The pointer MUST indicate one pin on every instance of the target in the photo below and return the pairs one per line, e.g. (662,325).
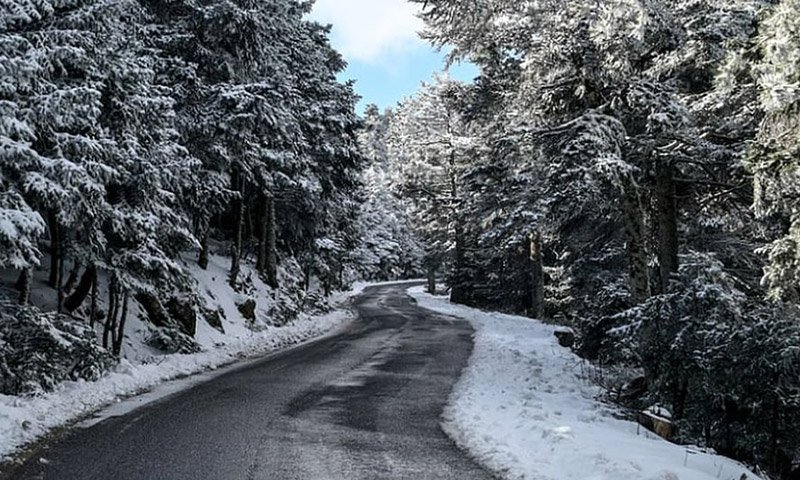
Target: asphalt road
(364,404)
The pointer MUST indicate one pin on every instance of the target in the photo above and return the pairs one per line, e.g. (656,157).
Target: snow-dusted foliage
(20,228)
(388,248)
(610,180)
(691,339)
(261,108)
(774,161)
(38,350)
(53,141)
(137,134)
(428,140)
(780,43)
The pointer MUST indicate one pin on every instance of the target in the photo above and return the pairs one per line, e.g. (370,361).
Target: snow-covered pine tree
(148,227)
(276,127)
(631,60)
(130,127)
(388,248)
(623,126)
(20,225)
(430,142)
(53,81)
(774,160)
(320,195)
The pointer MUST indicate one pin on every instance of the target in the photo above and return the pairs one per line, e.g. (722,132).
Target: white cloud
(371,30)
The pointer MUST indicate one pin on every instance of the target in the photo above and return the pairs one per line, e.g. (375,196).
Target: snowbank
(25,419)
(523,409)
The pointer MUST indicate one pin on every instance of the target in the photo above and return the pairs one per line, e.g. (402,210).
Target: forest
(135,133)
(629,169)
(626,168)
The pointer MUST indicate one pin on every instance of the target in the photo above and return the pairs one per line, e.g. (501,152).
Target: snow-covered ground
(524,410)
(25,419)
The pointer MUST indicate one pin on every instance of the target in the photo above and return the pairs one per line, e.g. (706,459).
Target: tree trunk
(261,225)
(667,223)
(679,395)
(271,240)
(238,233)
(120,335)
(774,435)
(93,306)
(432,278)
(307,277)
(248,229)
(111,318)
(20,283)
(55,250)
(76,299)
(60,283)
(537,276)
(635,240)
(458,290)
(202,259)
(24,285)
(73,277)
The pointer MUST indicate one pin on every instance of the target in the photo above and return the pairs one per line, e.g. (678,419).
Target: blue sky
(379,40)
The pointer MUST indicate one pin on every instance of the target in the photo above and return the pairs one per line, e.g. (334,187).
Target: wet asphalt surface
(364,404)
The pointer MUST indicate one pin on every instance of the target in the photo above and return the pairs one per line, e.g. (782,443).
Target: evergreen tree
(54,80)
(388,248)
(133,131)
(428,139)
(617,136)
(774,161)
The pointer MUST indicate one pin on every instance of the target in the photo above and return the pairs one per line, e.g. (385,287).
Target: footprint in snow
(590,418)
(558,434)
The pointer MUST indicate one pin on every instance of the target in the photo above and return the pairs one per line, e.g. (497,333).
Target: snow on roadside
(25,419)
(523,410)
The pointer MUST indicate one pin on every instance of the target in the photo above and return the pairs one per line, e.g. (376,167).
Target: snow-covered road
(363,404)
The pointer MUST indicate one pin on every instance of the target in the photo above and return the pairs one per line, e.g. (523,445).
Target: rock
(566,337)
(178,313)
(248,309)
(156,313)
(171,341)
(657,421)
(214,318)
(183,314)
(635,389)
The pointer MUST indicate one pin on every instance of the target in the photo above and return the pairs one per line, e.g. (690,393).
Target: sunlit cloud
(371,31)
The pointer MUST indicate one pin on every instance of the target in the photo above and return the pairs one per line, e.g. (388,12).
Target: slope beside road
(364,404)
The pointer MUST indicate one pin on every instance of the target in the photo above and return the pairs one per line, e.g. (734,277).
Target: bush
(724,364)
(39,350)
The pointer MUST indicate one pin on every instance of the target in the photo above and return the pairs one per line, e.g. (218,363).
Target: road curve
(364,404)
